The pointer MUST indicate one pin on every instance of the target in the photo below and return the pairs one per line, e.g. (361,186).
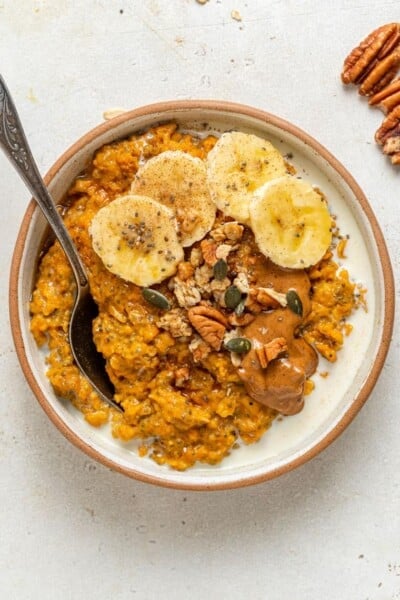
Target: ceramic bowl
(336,399)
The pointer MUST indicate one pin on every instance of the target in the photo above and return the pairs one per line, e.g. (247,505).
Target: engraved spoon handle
(16,148)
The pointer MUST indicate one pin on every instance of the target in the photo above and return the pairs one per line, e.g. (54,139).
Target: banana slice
(238,164)
(291,222)
(136,238)
(179,181)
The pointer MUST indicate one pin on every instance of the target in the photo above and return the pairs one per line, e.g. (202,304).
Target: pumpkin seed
(156,298)
(294,302)
(220,269)
(239,345)
(232,296)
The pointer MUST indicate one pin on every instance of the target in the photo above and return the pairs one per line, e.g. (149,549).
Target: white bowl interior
(291,437)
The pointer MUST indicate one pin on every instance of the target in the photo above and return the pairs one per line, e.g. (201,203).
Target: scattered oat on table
(113,112)
(235,14)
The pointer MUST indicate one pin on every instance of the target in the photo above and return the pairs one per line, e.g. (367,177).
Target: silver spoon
(13,142)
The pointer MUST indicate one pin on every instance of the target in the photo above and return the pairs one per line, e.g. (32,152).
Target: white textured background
(70,528)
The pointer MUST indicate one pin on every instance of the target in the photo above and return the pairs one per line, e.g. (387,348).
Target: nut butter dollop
(281,384)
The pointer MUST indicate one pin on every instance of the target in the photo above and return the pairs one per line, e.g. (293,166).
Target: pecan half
(374,48)
(381,74)
(210,323)
(388,135)
(388,98)
(270,351)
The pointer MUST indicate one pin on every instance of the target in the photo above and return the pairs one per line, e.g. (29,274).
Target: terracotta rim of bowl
(364,392)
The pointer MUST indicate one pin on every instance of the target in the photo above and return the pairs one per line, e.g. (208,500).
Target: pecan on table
(210,323)
(374,62)
(381,75)
(388,135)
(388,98)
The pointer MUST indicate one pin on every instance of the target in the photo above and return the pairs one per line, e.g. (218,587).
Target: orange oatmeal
(234,346)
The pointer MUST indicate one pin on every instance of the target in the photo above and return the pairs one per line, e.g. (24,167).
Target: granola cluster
(215,294)
(200,286)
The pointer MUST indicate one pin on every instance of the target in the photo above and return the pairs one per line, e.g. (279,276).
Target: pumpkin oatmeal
(207,357)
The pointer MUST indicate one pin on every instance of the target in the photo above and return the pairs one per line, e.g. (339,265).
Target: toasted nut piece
(390,103)
(388,135)
(209,249)
(381,75)
(270,351)
(242,283)
(392,148)
(388,98)
(185,270)
(210,312)
(262,359)
(378,44)
(181,376)
(269,297)
(199,349)
(196,257)
(390,89)
(263,298)
(252,305)
(220,285)
(231,230)
(223,250)
(210,323)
